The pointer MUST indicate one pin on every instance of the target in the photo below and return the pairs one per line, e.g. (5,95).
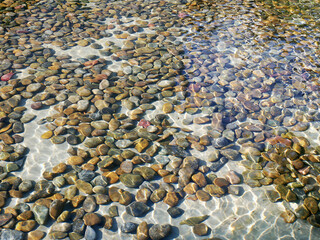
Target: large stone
(146,172)
(8,234)
(157,231)
(137,209)
(41,214)
(131,180)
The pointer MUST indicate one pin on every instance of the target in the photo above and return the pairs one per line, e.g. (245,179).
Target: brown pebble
(199,179)
(221,182)
(171,199)
(200,229)
(91,219)
(75,160)
(203,196)
(143,231)
(26,226)
(36,235)
(36,105)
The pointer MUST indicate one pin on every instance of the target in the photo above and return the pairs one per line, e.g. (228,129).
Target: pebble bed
(159,120)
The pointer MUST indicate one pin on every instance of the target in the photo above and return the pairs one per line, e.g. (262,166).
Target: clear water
(262,52)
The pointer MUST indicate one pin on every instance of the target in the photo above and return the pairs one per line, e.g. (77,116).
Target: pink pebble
(7,76)
(144,123)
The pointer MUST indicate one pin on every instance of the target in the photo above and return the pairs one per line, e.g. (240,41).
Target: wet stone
(157,231)
(113,211)
(91,219)
(131,180)
(8,234)
(143,231)
(175,212)
(137,209)
(129,227)
(41,214)
(200,229)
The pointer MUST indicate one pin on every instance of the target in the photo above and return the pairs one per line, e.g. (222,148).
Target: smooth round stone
(58,139)
(233,177)
(166,83)
(93,142)
(26,186)
(78,226)
(123,143)
(175,212)
(203,196)
(137,209)
(75,160)
(131,180)
(129,227)
(100,125)
(5,218)
(27,117)
(167,108)
(84,186)
(200,229)
(33,87)
(91,219)
(73,140)
(157,231)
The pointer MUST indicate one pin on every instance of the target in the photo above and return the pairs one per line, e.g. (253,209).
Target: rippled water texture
(229,76)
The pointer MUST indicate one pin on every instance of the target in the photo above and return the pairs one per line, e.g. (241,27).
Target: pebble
(143,231)
(200,229)
(137,209)
(157,231)
(129,227)
(175,212)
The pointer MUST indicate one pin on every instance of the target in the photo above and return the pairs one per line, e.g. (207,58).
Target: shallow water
(244,56)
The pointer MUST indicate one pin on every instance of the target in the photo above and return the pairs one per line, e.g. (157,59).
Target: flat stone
(192,221)
(131,180)
(36,235)
(143,231)
(175,212)
(84,186)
